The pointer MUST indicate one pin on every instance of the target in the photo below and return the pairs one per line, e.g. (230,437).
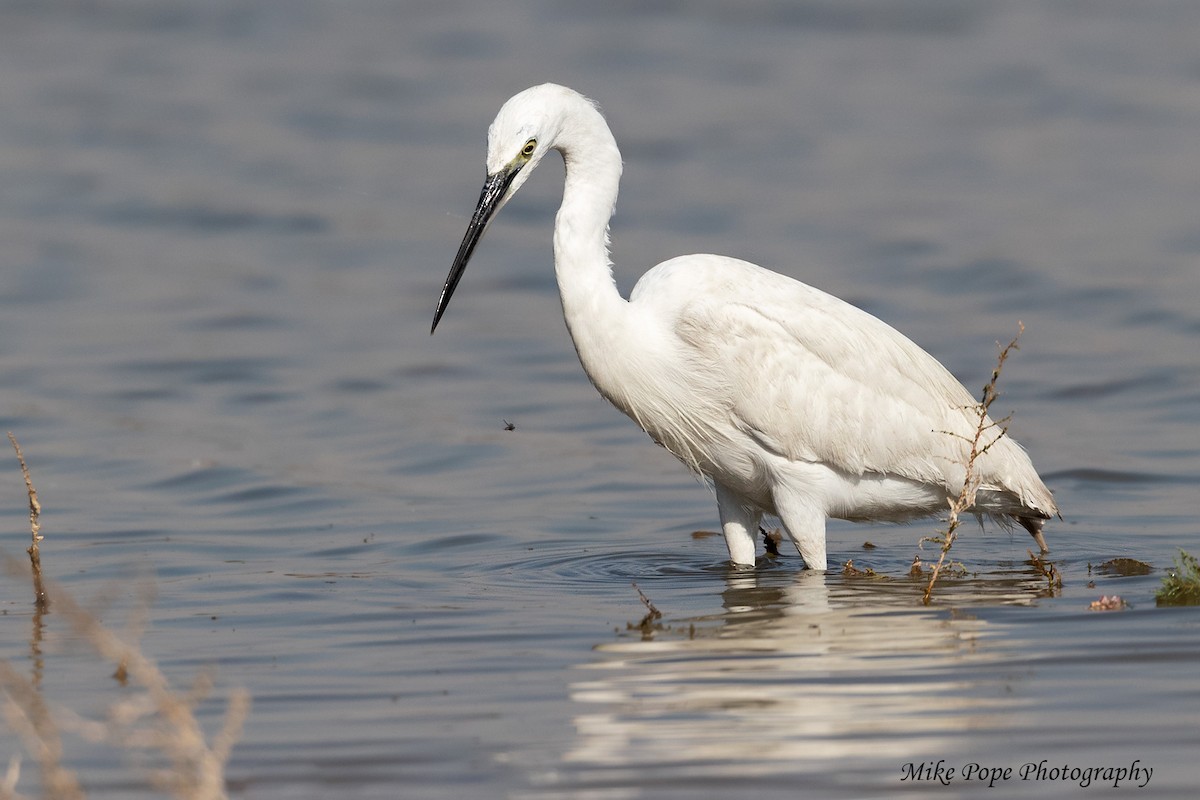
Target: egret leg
(739,523)
(805,525)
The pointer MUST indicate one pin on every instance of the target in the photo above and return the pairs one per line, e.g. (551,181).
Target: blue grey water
(223,227)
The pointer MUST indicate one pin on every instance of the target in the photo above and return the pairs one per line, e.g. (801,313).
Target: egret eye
(529,147)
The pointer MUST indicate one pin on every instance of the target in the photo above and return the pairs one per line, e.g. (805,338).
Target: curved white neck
(619,346)
(589,295)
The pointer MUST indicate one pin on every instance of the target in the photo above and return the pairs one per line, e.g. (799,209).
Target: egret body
(790,401)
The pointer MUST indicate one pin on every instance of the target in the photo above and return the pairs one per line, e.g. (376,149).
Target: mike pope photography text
(1135,774)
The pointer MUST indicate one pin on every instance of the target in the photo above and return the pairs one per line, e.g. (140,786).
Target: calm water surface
(224,227)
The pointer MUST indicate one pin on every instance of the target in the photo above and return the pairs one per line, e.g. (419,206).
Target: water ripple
(210,219)
(565,565)
(1098,475)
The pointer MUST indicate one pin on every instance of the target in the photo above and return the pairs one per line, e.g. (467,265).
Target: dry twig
(966,496)
(654,612)
(35,528)
(648,624)
(197,766)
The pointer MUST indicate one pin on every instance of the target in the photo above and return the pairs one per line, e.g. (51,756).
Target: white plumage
(791,401)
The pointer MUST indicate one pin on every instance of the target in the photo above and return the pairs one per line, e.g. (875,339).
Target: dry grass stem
(646,600)
(648,625)
(158,719)
(155,720)
(35,508)
(27,715)
(35,526)
(966,496)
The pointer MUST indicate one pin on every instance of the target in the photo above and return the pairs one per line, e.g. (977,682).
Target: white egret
(790,401)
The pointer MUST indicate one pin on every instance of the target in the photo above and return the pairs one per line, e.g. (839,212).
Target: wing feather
(814,378)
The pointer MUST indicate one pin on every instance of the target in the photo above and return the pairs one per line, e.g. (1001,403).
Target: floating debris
(851,571)
(1107,603)
(771,540)
(1048,571)
(1124,567)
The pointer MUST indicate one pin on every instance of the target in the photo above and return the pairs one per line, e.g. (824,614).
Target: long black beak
(489,201)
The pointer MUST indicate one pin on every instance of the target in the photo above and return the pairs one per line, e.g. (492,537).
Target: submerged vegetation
(1181,586)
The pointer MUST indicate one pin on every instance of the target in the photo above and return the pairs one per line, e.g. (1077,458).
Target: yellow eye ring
(529,147)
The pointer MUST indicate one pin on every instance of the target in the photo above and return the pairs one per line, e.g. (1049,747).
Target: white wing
(813,378)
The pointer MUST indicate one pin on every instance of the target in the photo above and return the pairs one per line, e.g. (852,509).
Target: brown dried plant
(156,719)
(979,443)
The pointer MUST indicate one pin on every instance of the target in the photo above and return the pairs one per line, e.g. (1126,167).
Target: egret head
(527,127)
